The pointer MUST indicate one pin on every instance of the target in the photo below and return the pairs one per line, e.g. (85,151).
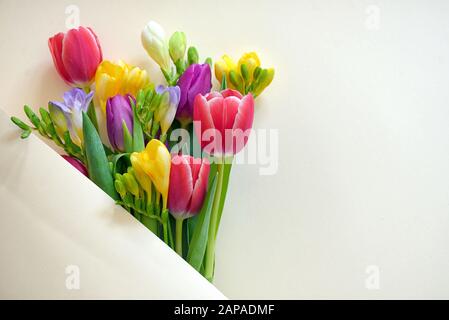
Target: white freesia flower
(154,42)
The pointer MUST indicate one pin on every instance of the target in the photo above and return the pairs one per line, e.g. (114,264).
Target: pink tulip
(223,121)
(76,55)
(76,164)
(188,185)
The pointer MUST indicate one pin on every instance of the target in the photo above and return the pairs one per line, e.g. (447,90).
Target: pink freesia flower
(76,55)
(223,121)
(188,185)
(77,164)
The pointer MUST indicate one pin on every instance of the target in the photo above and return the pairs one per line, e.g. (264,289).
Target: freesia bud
(118,114)
(154,162)
(76,55)
(131,184)
(76,101)
(264,79)
(195,80)
(236,80)
(154,42)
(192,56)
(166,112)
(225,118)
(76,164)
(188,185)
(120,186)
(177,46)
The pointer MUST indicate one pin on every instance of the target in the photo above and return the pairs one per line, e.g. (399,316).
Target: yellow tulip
(155,163)
(118,78)
(251,60)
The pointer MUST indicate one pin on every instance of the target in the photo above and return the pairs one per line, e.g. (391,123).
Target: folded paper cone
(64,238)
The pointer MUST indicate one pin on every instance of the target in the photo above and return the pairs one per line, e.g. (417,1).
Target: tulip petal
(200,173)
(243,122)
(202,119)
(81,55)
(181,185)
(55,46)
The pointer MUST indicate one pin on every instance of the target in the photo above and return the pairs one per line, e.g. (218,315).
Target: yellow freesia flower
(153,162)
(246,76)
(251,60)
(118,78)
(265,79)
(223,67)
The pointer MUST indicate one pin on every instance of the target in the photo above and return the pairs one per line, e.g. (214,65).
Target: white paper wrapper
(61,237)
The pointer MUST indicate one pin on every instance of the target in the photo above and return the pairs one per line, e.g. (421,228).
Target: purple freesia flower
(195,80)
(68,115)
(166,112)
(118,113)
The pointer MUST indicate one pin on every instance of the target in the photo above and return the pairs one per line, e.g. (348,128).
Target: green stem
(213,228)
(179,236)
(164,217)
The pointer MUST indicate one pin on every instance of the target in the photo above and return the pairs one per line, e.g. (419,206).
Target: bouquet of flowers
(163,152)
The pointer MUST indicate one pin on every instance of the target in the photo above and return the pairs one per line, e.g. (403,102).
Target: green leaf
(92,115)
(224,85)
(138,142)
(127,139)
(120,162)
(97,162)
(198,244)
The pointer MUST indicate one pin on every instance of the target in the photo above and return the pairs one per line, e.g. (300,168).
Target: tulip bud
(119,114)
(215,109)
(154,42)
(192,56)
(76,55)
(188,185)
(196,79)
(177,46)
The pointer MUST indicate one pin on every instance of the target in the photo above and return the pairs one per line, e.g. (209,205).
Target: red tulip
(76,164)
(76,55)
(188,185)
(224,117)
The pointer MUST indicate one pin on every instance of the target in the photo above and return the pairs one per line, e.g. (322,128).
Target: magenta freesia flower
(188,185)
(119,113)
(77,164)
(195,80)
(76,55)
(223,121)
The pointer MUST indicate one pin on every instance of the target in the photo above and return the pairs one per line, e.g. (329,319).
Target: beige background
(360,100)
